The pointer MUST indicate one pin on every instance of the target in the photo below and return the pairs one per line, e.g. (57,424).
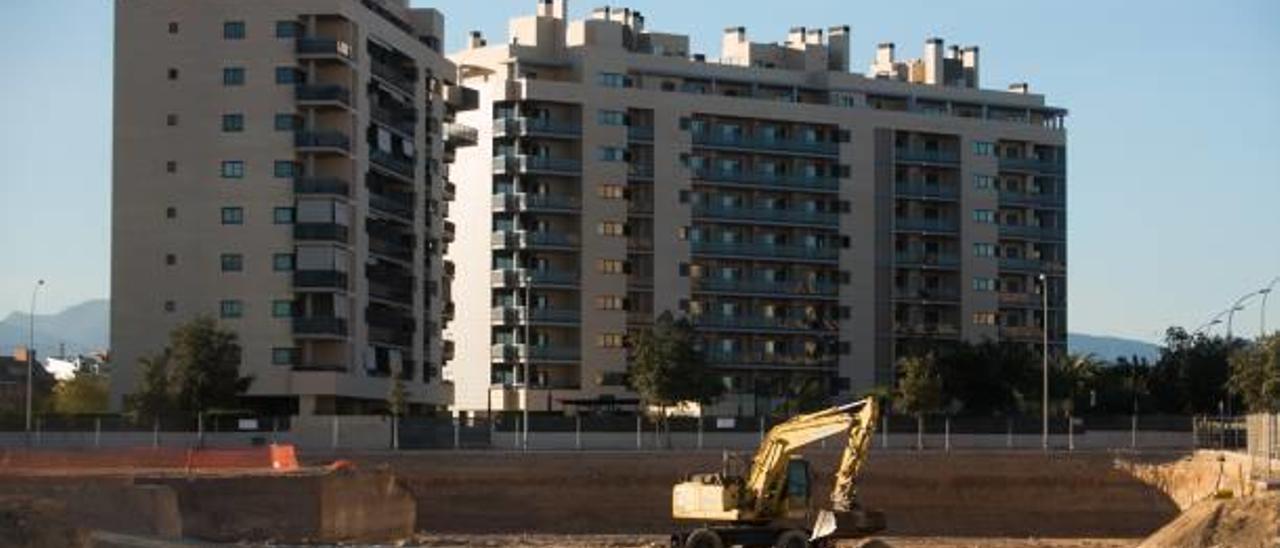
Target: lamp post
(31,348)
(1265,292)
(1231,313)
(1044,355)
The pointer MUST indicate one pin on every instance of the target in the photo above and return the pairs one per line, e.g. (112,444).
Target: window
(233,169)
(232,123)
(173,74)
(232,262)
(170,306)
(285,169)
(233,76)
(983,182)
(173,27)
(984,250)
(612,228)
(614,80)
(171,120)
(286,122)
(288,29)
(283,215)
(611,340)
(984,318)
(282,309)
(984,216)
(984,148)
(610,302)
(171,166)
(170,259)
(612,266)
(282,262)
(284,356)
(232,216)
(233,30)
(230,309)
(612,118)
(612,192)
(613,154)
(984,284)
(287,75)
(171,212)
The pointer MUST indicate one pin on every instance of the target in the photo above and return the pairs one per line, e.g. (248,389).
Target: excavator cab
(798,502)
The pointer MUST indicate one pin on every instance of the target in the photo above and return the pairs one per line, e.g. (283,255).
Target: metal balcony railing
(1028,199)
(767,144)
(1038,165)
(520,314)
(749,358)
(533,202)
(520,352)
(640,133)
(524,239)
(503,127)
(396,164)
(1033,232)
(807,182)
(322,139)
(392,75)
(322,185)
(790,216)
(766,250)
(320,279)
(927,225)
(400,206)
(761,323)
(796,288)
(925,190)
(916,155)
(1030,265)
(320,326)
(316,45)
(329,232)
(939,260)
(323,93)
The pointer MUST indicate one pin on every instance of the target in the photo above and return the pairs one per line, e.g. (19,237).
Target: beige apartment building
(284,167)
(812,223)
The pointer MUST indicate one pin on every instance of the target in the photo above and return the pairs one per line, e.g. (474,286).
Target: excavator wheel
(792,538)
(703,538)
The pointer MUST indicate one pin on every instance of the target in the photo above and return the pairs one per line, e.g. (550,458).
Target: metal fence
(1264,446)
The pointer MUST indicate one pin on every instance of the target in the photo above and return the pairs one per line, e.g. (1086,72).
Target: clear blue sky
(1175,112)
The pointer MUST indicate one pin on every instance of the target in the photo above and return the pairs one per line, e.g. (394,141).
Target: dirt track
(978,496)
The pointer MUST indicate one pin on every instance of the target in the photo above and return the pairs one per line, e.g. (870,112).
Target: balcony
(1033,165)
(780,181)
(766,144)
(642,134)
(1021,199)
(395,205)
(521,352)
(520,315)
(390,248)
(330,141)
(793,288)
(1019,299)
(321,232)
(787,360)
(926,295)
(535,127)
(449,192)
(323,95)
(761,323)
(520,239)
(322,185)
(1021,332)
(320,327)
(640,171)
(933,157)
(755,250)
(398,165)
(927,329)
(1032,266)
(320,279)
(939,226)
(394,76)
(536,164)
(403,120)
(323,48)
(458,135)
(1032,232)
(522,277)
(640,206)
(767,215)
(545,203)
(461,98)
(927,191)
(927,260)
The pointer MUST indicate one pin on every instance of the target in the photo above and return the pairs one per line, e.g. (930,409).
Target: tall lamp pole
(1044,354)
(1265,292)
(31,348)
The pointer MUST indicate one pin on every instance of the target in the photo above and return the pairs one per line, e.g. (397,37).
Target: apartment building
(812,223)
(284,168)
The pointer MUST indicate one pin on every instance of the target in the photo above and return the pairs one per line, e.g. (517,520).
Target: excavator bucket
(847,524)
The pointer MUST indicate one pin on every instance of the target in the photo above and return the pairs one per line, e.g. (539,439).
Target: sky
(1174,173)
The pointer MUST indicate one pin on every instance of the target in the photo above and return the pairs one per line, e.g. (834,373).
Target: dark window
(232,262)
(171,120)
(233,76)
(233,169)
(288,75)
(284,356)
(286,169)
(282,262)
(171,166)
(232,215)
(231,309)
(233,123)
(233,30)
(173,74)
(171,213)
(282,309)
(286,122)
(283,215)
(170,259)
(170,306)
(173,27)
(288,29)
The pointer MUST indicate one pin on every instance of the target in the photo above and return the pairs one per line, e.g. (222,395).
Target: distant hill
(81,328)
(1110,348)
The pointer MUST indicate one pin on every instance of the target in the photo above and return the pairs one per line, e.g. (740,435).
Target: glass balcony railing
(789,216)
(536,164)
(535,202)
(397,205)
(524,239)
(322,139)
(322,185)
(394,249)
(916,155)
(320,46)
(762,323)
(520,314)
(519,277)
(320,279)
(324,232)
(640,133)
(396,164)
(927,329)
(1033,200)
(926,190)
(766,250)
(323,93)
(795,288)
(404,120)
(766,144)
(749,358)
(1033,164)
(938,260)
(519,352)
(927,225)
(503,127)
(320,326)
(392,75)
(1034,266)
(1033,232)
(926,294)
(797,181)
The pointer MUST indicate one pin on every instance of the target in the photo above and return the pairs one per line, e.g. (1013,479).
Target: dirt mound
(1252,522)
(29,522)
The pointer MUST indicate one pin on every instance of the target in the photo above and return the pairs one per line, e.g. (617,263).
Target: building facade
(812,223)
(283,167)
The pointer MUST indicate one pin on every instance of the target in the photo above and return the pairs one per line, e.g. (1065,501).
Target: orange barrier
(280,458)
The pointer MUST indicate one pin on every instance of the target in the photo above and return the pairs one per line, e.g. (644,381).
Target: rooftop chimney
(969,56)
(736,33)
(477,40)
(813,36)
(557,9)
(838,48)
(796,36)
(884,54)
(1020,87)
(933,61)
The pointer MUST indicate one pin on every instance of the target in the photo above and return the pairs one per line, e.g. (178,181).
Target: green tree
(153,397)
(1191,374)
(88,391)
(1073,380)
(1255,375)
(803,394)
(204,362)
(667,369)
(988,378)
(920,390)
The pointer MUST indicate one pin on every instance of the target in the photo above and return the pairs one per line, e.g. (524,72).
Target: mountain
(1110,348)
(81,328)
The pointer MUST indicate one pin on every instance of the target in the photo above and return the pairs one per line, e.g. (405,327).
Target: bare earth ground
(623,541)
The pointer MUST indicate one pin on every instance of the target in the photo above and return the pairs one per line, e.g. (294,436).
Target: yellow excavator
(772,506)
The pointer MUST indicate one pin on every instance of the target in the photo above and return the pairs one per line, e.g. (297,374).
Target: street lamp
(1265,292)
(1044,353)
(31,348)
(1231,313)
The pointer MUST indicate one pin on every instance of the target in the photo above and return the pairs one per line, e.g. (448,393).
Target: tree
(804,394)
(988,378)
(204,362)
(153,397)
(1255,375)
(667,369)
(1191,374)
(919,389)
(1074,379)
(88,391)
